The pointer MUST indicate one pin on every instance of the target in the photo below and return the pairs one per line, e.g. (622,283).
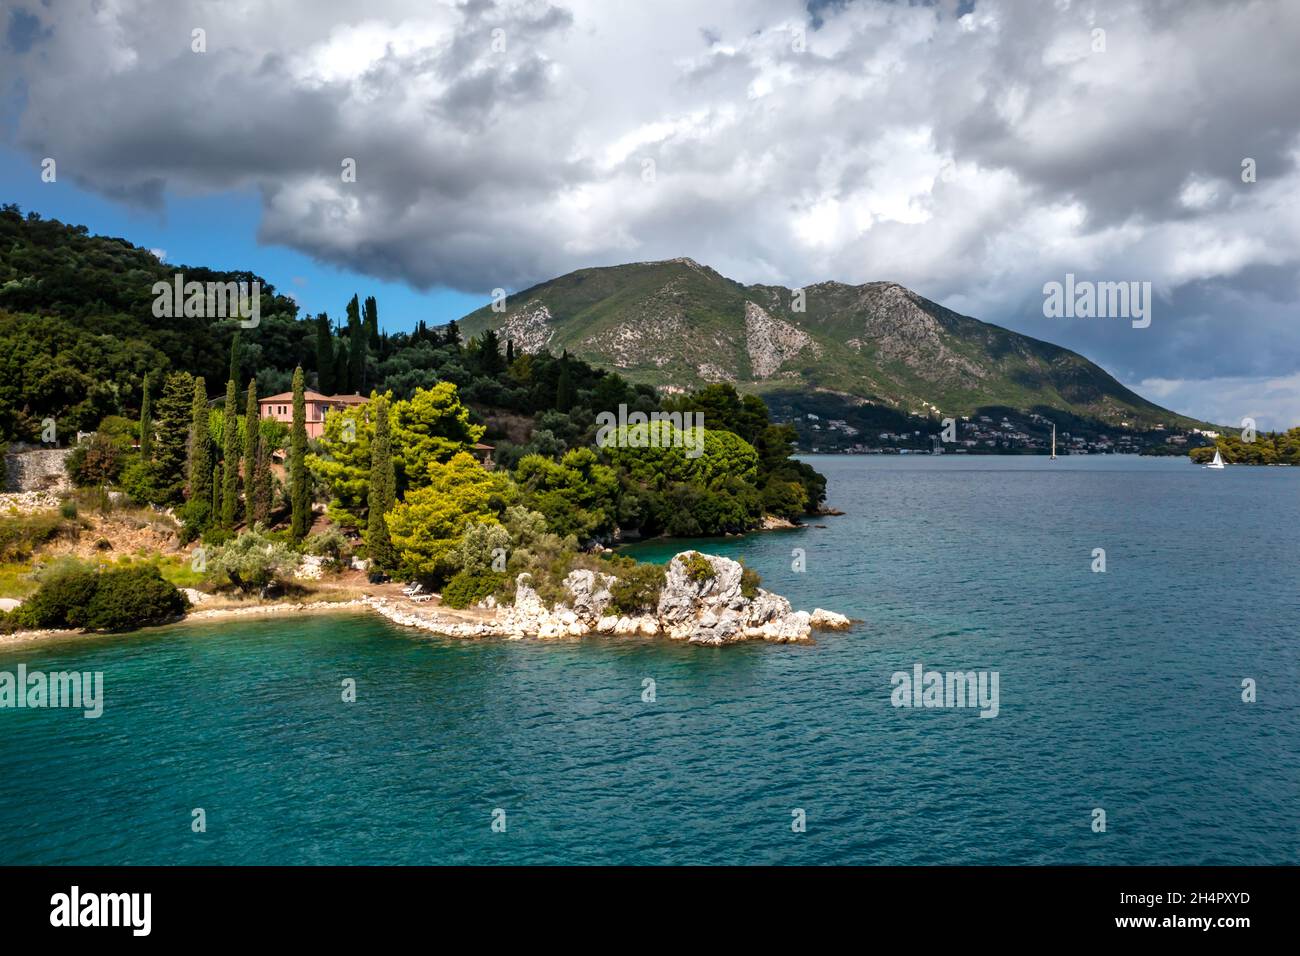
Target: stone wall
(33,468)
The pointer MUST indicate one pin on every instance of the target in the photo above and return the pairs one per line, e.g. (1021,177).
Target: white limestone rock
(590,594)
(824,620)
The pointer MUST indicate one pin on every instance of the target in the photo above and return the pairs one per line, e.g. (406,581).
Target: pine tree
(300,496)
(200,457)
(146,424)
(252,427)
(325,355)
(453,334)
(510,352)
(383,489)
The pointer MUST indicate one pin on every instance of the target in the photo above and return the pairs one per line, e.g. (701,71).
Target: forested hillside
(80,344)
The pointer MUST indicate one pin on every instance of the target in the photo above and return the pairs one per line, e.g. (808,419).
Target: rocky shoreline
(710,611)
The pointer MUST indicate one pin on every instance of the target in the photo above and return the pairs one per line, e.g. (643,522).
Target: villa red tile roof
(312,396)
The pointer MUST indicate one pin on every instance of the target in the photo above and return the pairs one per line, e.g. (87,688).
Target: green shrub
(467,588)
(253,561)
(67,588)
(749,582)
(75,595)
(785,499)
(697,567)
(330,544)
(97,461)
(68,509)
(636,590)
(143,481)
(21,534)
(133,596)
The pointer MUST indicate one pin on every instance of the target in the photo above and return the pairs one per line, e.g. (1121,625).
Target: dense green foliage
(430,521)
(253,560)
(697,567)
(383,487)
(467,588)
(78,336)
(81,344)
(131,597)
(1268,448)
(635,590)
(577,494)
(76,595)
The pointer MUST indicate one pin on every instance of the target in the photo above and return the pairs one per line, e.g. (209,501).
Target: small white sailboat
(1053,455)
(1218,460)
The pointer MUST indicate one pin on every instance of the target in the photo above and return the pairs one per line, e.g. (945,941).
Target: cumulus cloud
(972,151)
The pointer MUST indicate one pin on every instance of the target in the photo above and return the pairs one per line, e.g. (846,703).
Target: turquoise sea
(1119,690)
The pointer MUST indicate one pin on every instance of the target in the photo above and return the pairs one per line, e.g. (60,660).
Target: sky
(972,151)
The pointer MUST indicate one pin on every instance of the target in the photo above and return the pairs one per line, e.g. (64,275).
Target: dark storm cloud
(972,151)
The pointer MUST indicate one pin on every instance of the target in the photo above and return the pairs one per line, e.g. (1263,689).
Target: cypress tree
(300,498)
(236,358)
(453,334)
(262,480)
(146,424)
(489,356)
(230,460)
(510,352)
(356,348)
(325,355)
(200,463)
(383,489)
(252,423)
(564,387)
(216,491)
(171,450)
(341,367)
(371,314)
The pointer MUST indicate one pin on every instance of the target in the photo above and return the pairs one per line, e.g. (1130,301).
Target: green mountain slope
(678,324)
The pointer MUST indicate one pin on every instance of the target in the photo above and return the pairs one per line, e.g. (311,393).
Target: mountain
(678,324)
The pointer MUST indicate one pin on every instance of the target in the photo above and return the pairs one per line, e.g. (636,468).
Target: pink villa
(280,407)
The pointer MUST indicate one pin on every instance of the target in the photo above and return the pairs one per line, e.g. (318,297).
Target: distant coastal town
(1007,433)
